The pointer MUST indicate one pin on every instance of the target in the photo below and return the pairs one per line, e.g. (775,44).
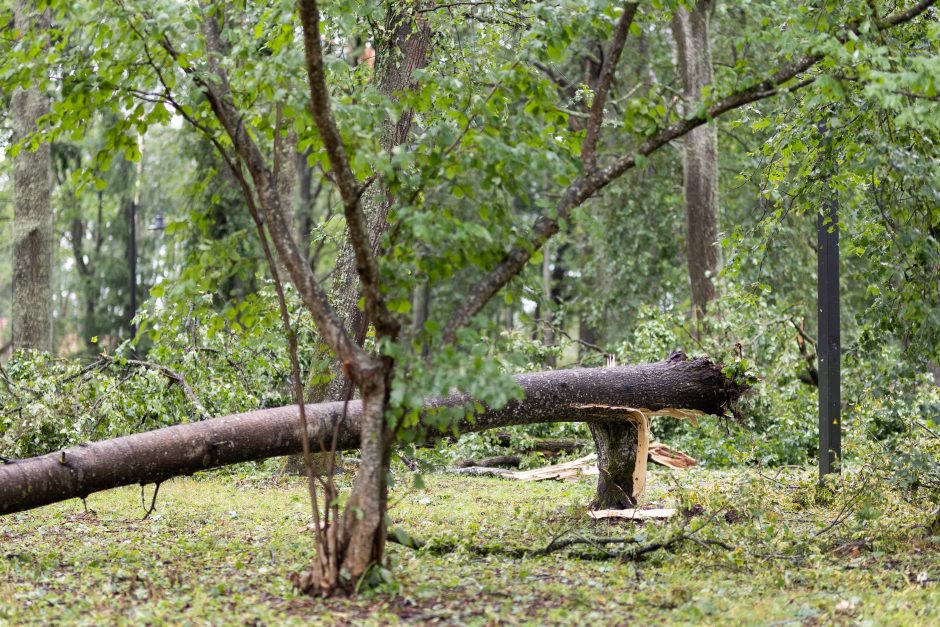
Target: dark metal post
(829,344)
(132,263)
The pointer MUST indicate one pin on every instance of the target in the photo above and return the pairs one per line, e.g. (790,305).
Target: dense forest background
(615,281)
(163,305)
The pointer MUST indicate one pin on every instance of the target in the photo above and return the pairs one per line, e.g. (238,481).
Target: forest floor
(219,549)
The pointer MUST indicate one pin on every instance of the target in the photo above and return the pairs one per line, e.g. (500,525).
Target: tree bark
(32,209)
(397,58)
(699,154)
(595,395)
(621,462)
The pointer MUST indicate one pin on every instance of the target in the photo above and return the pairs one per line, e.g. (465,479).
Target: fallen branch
(105,361)
(560,542)
(491,462)
(557,545)
(632,514)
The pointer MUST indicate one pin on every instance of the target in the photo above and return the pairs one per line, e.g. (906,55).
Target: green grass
(218,550)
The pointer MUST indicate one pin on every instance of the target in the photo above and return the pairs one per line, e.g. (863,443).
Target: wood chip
(663,455)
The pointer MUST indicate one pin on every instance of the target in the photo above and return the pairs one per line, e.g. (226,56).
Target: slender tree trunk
(422,309)
(396,60)
(306,200)
(88,284)
(32,210)
(700,154)
(130,215)
(547,306)
(285,175)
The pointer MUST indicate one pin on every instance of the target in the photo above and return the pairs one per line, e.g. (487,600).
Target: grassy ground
(218,550)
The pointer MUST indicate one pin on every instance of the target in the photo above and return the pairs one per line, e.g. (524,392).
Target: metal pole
(132,264)
(135,205)
(828,347)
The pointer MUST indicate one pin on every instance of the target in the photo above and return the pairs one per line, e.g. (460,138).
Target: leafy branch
(597,178)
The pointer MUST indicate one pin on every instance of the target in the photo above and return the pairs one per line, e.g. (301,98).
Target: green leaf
(399,305)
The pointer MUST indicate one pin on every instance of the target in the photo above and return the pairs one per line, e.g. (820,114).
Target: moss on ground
(218,550)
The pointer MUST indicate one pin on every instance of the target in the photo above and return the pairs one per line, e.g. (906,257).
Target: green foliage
(234,359)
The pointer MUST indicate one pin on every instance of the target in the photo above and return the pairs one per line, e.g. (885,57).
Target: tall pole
(132,264)
(828,348)
(132,248)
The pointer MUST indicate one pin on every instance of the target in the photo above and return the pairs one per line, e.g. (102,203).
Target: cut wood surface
(154,456)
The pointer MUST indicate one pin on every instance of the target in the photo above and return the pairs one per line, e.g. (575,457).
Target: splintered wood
(661,454)
(585,466)
(632,514)
(692,415)
(582,467)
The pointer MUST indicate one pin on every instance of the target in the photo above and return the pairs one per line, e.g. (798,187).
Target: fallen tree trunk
(612,397)
(542,445)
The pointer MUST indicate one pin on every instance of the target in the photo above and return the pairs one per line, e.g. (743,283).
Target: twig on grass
(557,543)
(153,500)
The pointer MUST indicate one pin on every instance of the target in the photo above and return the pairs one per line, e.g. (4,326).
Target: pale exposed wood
(661,454)
(582,467)
(586,466)
(632,514)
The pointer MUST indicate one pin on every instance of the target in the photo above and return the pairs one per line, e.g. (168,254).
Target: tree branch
(167,372)
(589,146)
(596,179)
(356,223)
(218,93)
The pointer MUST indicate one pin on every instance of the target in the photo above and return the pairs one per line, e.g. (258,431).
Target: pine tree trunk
(32,210)
(610,396)
(700,154)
